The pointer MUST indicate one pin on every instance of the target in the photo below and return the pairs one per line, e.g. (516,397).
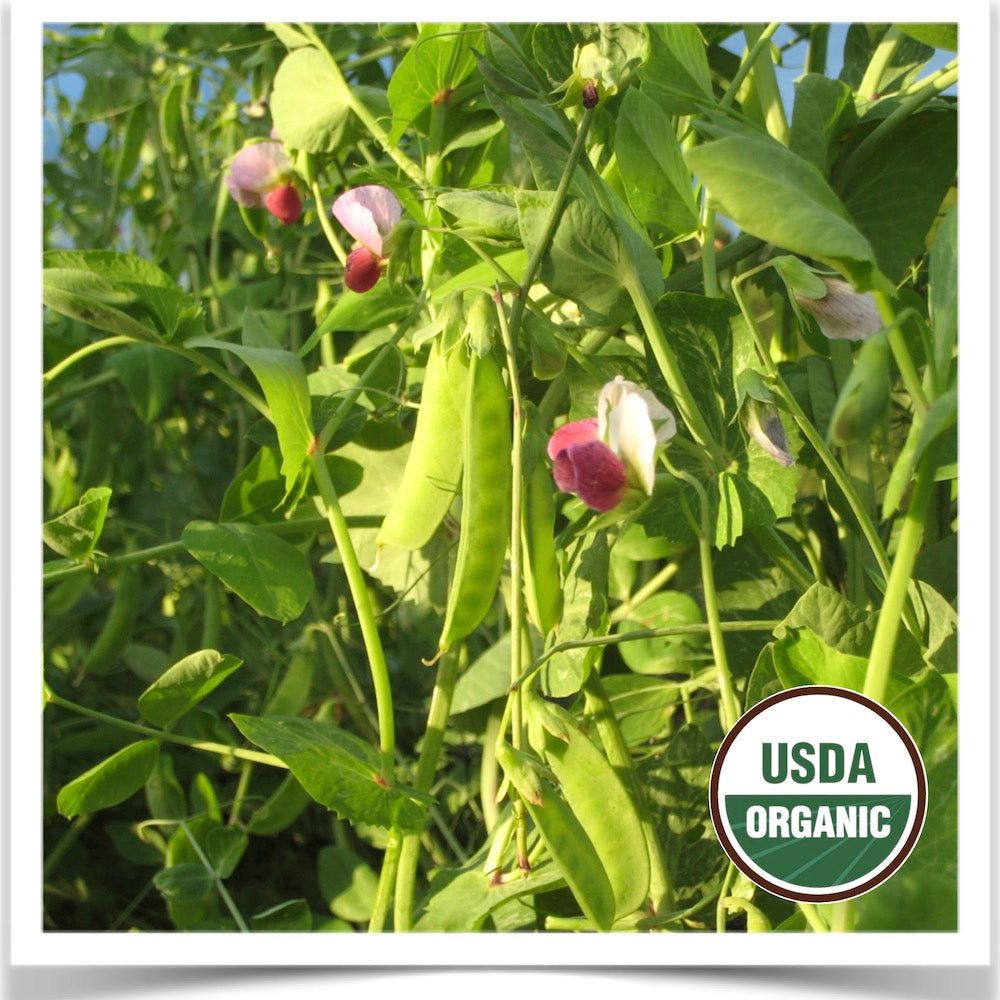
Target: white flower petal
(632,437)
(369,214)
(843,313)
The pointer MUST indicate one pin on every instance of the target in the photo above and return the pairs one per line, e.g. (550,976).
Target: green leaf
(729,517)
(309,103)
(119,293)
(257,489)
(283,378)
(223,847)
(293,915)
(939,36)
(895,193)
(657,181)
(112,781)
(672,654)
(337,769)
(490,213)
(585,614)
(347,883)
(271,575)
(185,684)
(485,680)
(824,108)
(437,62)
(677,73)
(75,533)
(150,376)
(776,195)
(902,66)
(643,706)
(355,312)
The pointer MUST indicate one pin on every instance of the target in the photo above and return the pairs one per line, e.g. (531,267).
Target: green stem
(83,352)
(691,275)
(65,842)
(901,351)
(551,223)
(219,885)
(888,125)
(386,883)
(324,223)
(710,277)
(672,374)
(889,617)
(363,607)
(767,84)
(879,63)
(598,707)
(756,47)
(430,751)
(819,35)
(160,734)
(648,589)
(813,918)
(720,908)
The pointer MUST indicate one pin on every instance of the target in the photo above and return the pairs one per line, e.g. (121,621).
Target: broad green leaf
(338,769)
(112,781)
(672,654)
(776,195)
(355,312)
(488,213)
(656,180)
(437,62)
(729,515)
(150,376)
(74,534)
(347,883)
(271,575)
(119,293)
(643,706)
(823,109)
(185,684)
(514,262)
(289,36)
(485,680)
(554,46)
(223,846)
(293,915)
(462,899)
(901,68)
(187,883)
(257,489)
(585,614)
(894,195)
(677,74)
(939,36)
(165,798)
(281,809)
(309,103)
(283,378)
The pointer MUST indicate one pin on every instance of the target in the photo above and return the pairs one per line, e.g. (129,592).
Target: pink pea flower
(601,458)
(369,214)
(843,313)
(260,176)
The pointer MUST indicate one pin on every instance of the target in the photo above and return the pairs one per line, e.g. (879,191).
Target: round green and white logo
(818,794)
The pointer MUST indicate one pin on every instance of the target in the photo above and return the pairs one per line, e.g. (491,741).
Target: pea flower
(764,425)
(843,313)
(260,175)
(601,457)
(369,214)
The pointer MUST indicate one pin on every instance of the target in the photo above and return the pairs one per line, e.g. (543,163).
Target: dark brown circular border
(837,692)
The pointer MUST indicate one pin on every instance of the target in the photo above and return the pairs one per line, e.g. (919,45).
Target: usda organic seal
(818,794)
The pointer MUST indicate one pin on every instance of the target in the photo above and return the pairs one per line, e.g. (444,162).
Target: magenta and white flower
(261,176)
(369,214)
(601,458)
(843,313)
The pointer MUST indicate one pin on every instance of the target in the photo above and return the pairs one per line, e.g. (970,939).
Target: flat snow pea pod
(542,587)
(564,837)
(598,799)
(434,467)
(486,497)
(117,628)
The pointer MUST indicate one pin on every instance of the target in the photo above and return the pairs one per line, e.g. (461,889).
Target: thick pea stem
(85,351)
(430,751)
(767,86)
(386,883)
(887,628)
(598,706)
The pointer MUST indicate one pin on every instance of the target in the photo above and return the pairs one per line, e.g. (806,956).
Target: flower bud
(590,96)
(843,313)
(284,204)
(362,270)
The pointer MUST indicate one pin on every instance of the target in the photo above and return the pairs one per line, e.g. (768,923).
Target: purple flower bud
(592,471)
(590,95)
(362,270)
(284,204)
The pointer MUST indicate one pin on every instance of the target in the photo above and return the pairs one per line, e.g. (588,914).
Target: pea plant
(450,430)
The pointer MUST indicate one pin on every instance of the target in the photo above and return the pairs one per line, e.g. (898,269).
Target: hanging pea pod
(117,629)
(563,836)
(598,799)
(542,586)
(434,467)
(486,498)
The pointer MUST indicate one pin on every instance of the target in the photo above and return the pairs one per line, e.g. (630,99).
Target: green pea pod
(434,467)
(563,836)
(117,628)
(597,798)
(486,491)
(542,587)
